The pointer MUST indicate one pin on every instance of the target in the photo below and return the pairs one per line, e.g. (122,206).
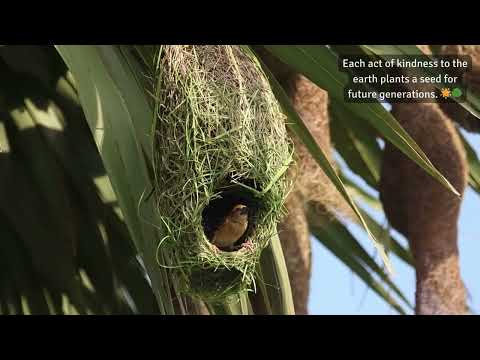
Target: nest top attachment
(220,145)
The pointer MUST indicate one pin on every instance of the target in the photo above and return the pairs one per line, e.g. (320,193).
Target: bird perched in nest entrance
(232,229)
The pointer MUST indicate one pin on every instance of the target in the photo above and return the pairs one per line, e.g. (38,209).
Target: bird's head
(239,213)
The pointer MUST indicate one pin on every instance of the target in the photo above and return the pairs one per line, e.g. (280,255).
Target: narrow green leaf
(130,274)
(260,300)
(120,119)
(297,126)
(245,304)
(360,194)
(391,243)
(236,305)
(474,164)
(356,143)
(319,64)
(218,309)
(330,242)
(382,233)
(336,230)
(274,277)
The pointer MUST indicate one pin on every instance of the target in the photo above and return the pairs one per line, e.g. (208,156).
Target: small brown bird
(232,228)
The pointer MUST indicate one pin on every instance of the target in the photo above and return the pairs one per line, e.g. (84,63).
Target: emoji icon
(445,93)
(457,92)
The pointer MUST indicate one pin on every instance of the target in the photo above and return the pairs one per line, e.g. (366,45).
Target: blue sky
(336,290)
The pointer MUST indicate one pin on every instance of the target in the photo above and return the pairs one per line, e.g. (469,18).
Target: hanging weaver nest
(220,140)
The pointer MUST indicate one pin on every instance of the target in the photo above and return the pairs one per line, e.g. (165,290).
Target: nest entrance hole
(232,194)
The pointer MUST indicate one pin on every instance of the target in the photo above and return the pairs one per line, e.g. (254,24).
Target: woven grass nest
(220,140)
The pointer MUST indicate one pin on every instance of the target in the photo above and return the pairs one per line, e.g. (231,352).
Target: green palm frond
(78,231)
(64,233)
